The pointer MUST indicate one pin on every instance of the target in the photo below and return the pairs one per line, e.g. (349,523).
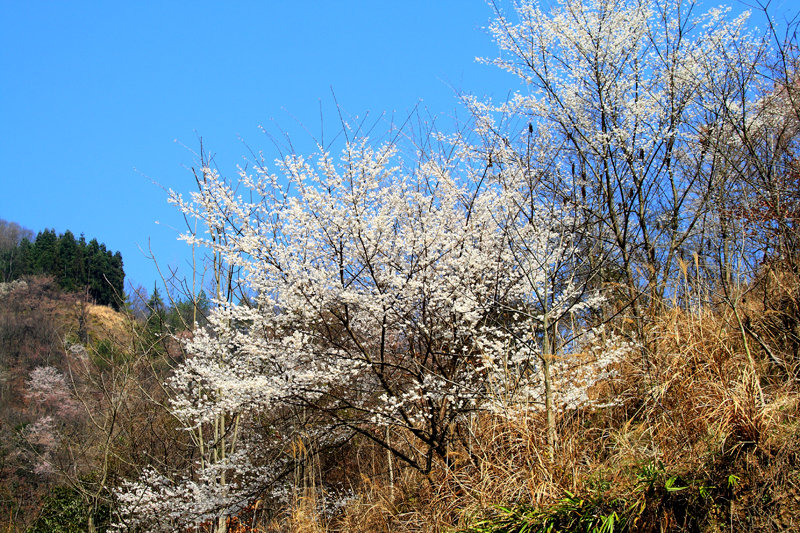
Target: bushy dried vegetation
(692,437)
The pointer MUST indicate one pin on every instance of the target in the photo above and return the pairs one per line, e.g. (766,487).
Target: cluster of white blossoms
(157,502)
(362,276)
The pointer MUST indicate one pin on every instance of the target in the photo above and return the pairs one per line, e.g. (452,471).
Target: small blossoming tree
(378,301)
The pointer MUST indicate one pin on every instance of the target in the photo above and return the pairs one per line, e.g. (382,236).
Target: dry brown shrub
(772,308)
(694,409)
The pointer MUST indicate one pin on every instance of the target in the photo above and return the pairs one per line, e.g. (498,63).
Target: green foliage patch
(75,264)
(65,511)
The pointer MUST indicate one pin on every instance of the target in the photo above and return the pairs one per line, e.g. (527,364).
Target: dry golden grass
(104,322)
(700,433)
(690,410)
(100,322)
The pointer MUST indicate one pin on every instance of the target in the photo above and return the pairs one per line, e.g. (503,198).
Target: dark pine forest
(75,264)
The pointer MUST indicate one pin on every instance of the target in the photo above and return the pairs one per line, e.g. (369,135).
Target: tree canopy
(75,264)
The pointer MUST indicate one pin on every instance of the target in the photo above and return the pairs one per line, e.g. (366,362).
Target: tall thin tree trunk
(547,359)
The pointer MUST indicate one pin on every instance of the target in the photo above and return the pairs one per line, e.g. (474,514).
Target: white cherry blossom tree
(370,287)
(384,301)
(628,94)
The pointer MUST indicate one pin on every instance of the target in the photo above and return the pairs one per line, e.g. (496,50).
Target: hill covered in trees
(76,265)
(76,380)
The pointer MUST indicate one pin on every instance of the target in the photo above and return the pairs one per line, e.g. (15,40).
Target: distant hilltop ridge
(75,264)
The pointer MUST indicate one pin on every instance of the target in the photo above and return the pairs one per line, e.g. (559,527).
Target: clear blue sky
(94,96)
